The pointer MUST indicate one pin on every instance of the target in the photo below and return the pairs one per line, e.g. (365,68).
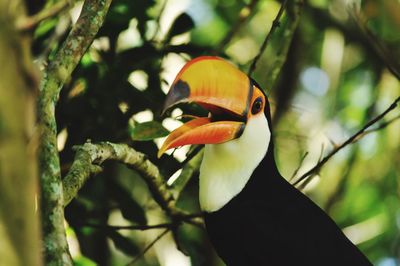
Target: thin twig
(191,155)
(293,12)
(188,218)
(29,23)
(275,24)
(130,227)
(379,47)
(300,164)
(149,246)
(351,33)
(306,182)
(381,126)
(350,140)
(244,14)
(188,170)
(343,182)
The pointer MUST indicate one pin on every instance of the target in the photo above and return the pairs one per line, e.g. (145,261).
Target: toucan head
(236,133)
(231,97)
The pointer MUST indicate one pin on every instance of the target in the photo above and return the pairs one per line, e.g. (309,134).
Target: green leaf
(182,24)
(83,261)
(123,243)
(45,27)
(147,131)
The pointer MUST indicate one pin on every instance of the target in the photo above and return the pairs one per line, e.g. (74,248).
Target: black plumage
(255,217)
(272,223)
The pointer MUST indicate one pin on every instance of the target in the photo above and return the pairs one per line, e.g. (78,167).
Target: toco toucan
(253,216)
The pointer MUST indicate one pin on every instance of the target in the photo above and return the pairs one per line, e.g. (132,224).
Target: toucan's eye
(257,105)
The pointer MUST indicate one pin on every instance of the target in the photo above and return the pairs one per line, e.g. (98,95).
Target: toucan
(253,216)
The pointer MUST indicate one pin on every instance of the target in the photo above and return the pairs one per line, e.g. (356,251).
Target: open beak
(220,88)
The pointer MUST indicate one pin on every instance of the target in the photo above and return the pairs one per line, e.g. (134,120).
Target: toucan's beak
(220,88)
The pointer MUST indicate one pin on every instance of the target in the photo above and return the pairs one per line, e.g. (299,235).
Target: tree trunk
(19,222)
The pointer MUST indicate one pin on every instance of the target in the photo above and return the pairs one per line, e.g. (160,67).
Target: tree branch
(149,246)
(189,168)
(92,155)
(275,24)
(244,15)
(28,23)
(54,77)
(174,224)
(343,182)
(61,28)
(130,227)
(380,127)
(293,14)
(300,164)
(350,140)
(380,48)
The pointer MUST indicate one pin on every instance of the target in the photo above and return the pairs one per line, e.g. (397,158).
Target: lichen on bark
(59,69)
(90,156)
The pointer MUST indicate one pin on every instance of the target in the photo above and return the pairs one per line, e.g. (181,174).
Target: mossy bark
(90,156)
(19,217)
(59,70)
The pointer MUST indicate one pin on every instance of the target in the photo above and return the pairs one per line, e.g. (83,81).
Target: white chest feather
(227,167)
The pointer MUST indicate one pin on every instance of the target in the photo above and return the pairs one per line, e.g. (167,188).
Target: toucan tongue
(202,130)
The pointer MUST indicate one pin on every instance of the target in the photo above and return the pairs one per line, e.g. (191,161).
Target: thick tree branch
(28,23)
(79,173)
(62,27)
(58,71)
(275,24)
(350,140)
(89,155)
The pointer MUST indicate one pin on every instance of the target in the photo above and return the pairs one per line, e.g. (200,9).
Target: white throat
(227,167)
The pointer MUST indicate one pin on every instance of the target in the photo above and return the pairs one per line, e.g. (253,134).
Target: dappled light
(100,71)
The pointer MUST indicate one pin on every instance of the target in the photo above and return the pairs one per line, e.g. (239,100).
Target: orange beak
(220,88)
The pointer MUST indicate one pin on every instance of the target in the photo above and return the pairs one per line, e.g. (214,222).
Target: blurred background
(324,71)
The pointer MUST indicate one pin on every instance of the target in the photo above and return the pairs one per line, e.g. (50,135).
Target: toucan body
(253,215)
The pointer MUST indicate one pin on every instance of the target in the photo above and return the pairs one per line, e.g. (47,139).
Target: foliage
(334,79)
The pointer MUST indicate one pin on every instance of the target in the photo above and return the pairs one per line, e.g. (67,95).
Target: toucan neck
(265,177)
(226,168)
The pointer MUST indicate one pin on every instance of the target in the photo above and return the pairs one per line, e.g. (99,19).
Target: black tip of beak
(178,92)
